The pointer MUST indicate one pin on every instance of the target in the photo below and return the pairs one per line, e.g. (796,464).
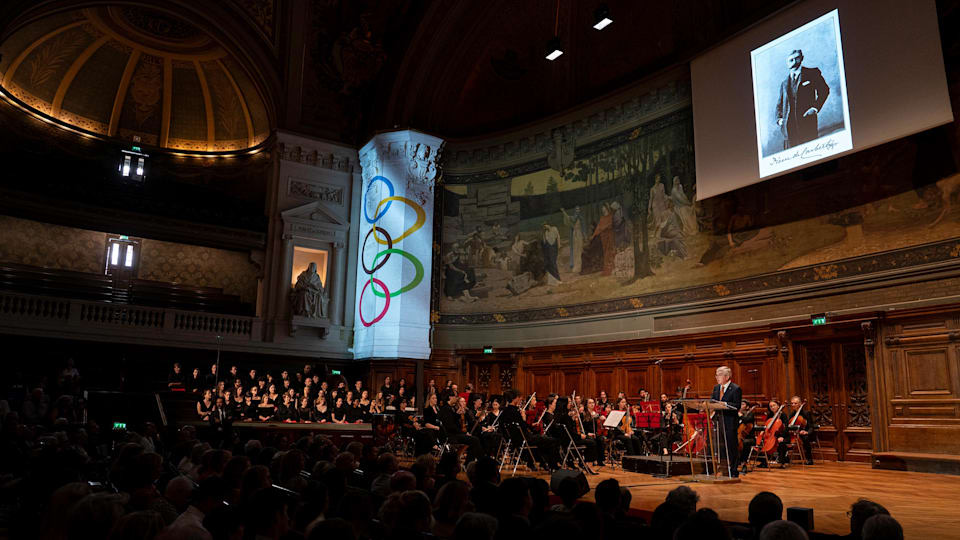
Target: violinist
(513,422)
(591,429)
(602,401)
(474,414)
(569,417)
(429,433)
(730,393)
(453,417)
(670,420)
(800,423)
(624,432)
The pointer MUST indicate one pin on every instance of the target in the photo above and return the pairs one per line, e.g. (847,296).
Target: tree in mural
(640,160)
(552,185)
(528,190)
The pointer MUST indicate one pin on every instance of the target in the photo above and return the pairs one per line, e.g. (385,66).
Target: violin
(767,440)
(626,425)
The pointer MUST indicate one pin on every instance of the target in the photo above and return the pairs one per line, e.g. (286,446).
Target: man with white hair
(726,420)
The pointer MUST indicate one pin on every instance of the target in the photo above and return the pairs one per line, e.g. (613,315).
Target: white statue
(308,298)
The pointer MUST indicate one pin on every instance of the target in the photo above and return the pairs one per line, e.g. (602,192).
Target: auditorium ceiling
(137,74)
(219,76)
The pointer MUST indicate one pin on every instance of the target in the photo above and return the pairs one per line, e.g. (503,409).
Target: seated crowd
(63,478)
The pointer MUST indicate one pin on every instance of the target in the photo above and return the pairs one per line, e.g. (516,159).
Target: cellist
(780,434)
(801,424)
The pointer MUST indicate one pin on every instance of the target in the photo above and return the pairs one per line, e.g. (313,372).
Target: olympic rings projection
(383,237)
(386,306)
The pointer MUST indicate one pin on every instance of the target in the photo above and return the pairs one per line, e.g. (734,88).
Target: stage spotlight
(601,17)
(554,48)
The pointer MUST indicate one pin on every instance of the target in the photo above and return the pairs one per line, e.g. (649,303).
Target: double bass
(767,440)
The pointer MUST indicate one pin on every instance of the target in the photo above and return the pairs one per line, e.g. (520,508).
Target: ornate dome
(127,72)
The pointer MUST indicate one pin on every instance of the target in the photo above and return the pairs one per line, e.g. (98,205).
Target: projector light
(554,48)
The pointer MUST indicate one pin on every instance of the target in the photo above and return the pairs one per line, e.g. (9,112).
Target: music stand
(707,407)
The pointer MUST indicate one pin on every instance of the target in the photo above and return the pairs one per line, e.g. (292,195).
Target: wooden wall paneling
(637,379)
(705,377)
(604,379)
(750,376)
(572,380)
(673,376)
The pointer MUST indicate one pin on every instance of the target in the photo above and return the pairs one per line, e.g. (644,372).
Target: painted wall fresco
(619,229)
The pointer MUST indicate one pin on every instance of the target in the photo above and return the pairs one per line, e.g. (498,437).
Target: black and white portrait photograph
(800,96)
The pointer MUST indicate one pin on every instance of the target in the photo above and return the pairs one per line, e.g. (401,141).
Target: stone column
(335,285)
(283,281)
(399,170)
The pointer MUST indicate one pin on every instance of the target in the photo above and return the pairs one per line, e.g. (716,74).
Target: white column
(335,286)
(392,313)
(283,283)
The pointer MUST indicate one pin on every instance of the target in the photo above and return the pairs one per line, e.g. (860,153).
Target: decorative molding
(784,344)
(869,336)
(522,146)
(315,158)
(316,191)
(421,152)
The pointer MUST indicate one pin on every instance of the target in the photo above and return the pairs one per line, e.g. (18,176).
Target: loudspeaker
(582,487)
(801,516)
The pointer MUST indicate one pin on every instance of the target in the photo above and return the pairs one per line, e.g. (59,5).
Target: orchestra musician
(591,429)
(781,434)
(727,421)
(602,402)
(671,433)
(567,418)
(428,435)
(453,418)
(748,418)
(803,426)
(490,428)
(511,419)
(624,432)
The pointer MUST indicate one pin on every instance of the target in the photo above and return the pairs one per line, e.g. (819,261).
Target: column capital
(338,245)
(419,153)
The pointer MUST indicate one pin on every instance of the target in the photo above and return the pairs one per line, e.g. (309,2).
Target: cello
(797,423)
(767,440)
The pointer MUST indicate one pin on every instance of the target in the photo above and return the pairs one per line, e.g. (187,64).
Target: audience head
(267,513)
(783,530)
(569,492)
(701,524)
(452,501)
(882,527)
(514,497)
(475,526)
(607,495)
(765,507)
(860,512)
(224,523)
(685,498)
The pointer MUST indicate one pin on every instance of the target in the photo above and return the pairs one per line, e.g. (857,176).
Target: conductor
(727,420)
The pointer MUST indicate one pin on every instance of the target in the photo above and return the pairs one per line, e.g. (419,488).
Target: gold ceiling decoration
(126,72)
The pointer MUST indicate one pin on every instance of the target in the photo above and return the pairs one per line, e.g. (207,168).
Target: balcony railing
(42,312)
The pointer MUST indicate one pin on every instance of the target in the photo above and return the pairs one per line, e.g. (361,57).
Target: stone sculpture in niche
(309,299)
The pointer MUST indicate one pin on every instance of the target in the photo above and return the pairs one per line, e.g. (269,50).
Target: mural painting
(622,222)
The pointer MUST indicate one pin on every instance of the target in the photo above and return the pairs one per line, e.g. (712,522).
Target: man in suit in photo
(728,420)
(802,95)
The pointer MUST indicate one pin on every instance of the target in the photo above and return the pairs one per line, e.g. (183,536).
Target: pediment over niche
(314,220)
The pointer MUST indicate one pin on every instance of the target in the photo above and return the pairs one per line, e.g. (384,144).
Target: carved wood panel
(855,378)
(637,379)
(927,372)
(818,369)
(572,380)
(603,380)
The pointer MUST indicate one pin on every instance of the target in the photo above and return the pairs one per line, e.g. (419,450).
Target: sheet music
(614,418)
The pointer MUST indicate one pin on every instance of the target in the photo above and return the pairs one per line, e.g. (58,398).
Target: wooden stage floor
(925,504)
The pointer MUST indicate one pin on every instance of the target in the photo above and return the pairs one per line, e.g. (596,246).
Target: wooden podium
(715,439)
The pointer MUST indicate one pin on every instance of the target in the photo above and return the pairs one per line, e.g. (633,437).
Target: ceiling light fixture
(601,17)
(555,46)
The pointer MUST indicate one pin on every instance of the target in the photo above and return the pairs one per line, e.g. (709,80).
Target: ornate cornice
(420,151)
(315,157)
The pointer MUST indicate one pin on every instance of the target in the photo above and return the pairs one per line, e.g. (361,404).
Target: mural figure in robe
(670,235)
(683,207)
(458,277)
(550,244)
(621,233)
(308,298)
(658,203)
(602,250)
(575,222)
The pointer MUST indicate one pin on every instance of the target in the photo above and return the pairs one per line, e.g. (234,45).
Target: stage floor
(924,504)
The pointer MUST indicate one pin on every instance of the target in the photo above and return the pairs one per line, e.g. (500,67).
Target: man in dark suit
(728,420)
(802,95)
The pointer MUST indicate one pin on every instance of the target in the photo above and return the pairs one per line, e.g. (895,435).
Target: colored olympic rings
(376,215)
(386,306)
(417,265)
(364,249)
(421,217)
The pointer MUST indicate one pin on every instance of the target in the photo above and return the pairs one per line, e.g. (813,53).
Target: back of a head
(331,528)
(783,530)
(882,527)
(222,522)
(486,470)
(137,525)
(403,481)
(765,507)
(387,463)
(666,518)
(568,491)
(264,510)
(475,526)
(684,497)
(860,512)
(416,512)
(607,495)
(451,501)
(95,515)
(514,496)
(702,524)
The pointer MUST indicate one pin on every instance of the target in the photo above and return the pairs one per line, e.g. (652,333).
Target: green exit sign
(335,371)
(818,320)
(119,425)
(488,350)
(136,148)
